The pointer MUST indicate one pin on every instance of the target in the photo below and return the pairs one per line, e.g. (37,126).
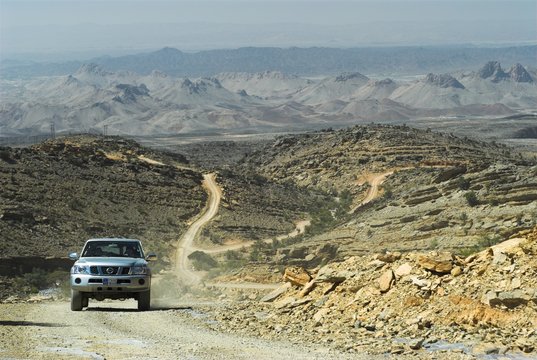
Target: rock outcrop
(420,302)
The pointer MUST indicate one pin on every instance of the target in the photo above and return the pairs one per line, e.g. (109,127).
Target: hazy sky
(101,26)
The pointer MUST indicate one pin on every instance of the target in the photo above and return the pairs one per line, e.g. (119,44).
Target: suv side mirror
(151,257)
(73,256)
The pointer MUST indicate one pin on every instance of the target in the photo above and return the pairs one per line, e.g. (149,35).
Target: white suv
(111,269)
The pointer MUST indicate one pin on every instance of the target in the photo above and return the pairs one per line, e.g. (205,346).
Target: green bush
(471,198)
(463,183)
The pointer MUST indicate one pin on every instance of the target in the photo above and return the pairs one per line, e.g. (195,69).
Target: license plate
(106,281)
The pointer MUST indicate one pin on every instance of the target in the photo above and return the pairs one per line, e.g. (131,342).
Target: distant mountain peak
(130,92)
(169,50)
(200,85)
(519,74)
(351,76)
(383,82)
(71,80)
(443,81)
(492,70)
(91,69)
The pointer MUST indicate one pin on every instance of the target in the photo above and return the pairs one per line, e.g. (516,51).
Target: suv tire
(144,300)
(76,300)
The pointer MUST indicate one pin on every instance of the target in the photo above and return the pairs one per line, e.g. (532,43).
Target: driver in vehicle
(131,251)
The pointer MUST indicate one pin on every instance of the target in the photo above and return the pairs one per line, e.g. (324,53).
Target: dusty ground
(116,330)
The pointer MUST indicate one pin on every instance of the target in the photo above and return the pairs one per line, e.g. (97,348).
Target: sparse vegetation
(471,198)
(463,183)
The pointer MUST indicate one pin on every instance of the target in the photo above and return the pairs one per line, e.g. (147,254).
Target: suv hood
(115,261)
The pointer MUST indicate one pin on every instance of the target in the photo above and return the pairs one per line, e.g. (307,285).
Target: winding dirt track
(375,181)
(185,244)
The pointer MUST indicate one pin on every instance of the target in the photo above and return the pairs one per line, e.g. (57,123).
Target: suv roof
(113,239)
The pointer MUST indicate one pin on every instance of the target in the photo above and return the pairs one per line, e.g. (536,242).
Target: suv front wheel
(144,300)
(77,300)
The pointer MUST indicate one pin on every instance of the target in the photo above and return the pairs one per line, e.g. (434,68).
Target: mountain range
(158,103)
(313,61)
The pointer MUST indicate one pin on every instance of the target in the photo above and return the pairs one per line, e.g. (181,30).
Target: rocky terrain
(438,190)
(59,193)
(418,243)
(429,304)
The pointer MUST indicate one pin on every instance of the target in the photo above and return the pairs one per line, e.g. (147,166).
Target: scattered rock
(442,263)
(510,299)
(389,257)
(456,271)
(319,315)
(486,349)
(307,288)
(416,344)
(276,293)
(403,270)
(328,274)
(386,280)
(296,275)
(285,302)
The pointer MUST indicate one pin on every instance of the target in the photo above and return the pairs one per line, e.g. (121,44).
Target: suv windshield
(112,249)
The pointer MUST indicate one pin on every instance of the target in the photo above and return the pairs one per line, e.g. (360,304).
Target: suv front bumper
(110,284)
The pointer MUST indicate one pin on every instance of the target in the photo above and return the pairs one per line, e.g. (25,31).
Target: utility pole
(52,131)
(105,130)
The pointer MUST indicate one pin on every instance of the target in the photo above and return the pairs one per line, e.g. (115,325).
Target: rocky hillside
(255,208)
(433,190)
(417,304)
(57,194)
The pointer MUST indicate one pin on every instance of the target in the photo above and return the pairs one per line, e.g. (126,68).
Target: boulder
(307,288)
(389,257)
(416,344)
(441,263)
(285,302)
(421,283)
(456,271)
(319,315)
(403,270)
(328,274)
(510,299)
(386,280)
(296,275)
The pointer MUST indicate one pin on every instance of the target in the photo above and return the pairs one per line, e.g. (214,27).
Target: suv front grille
(109,270)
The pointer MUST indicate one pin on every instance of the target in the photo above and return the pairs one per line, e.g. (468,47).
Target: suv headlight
(139,270)
(79,269)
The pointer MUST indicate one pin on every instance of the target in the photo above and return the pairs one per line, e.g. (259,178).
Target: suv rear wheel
(144,300)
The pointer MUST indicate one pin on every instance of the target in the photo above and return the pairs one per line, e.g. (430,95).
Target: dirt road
(116,330)
(185,244)
(374,180)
